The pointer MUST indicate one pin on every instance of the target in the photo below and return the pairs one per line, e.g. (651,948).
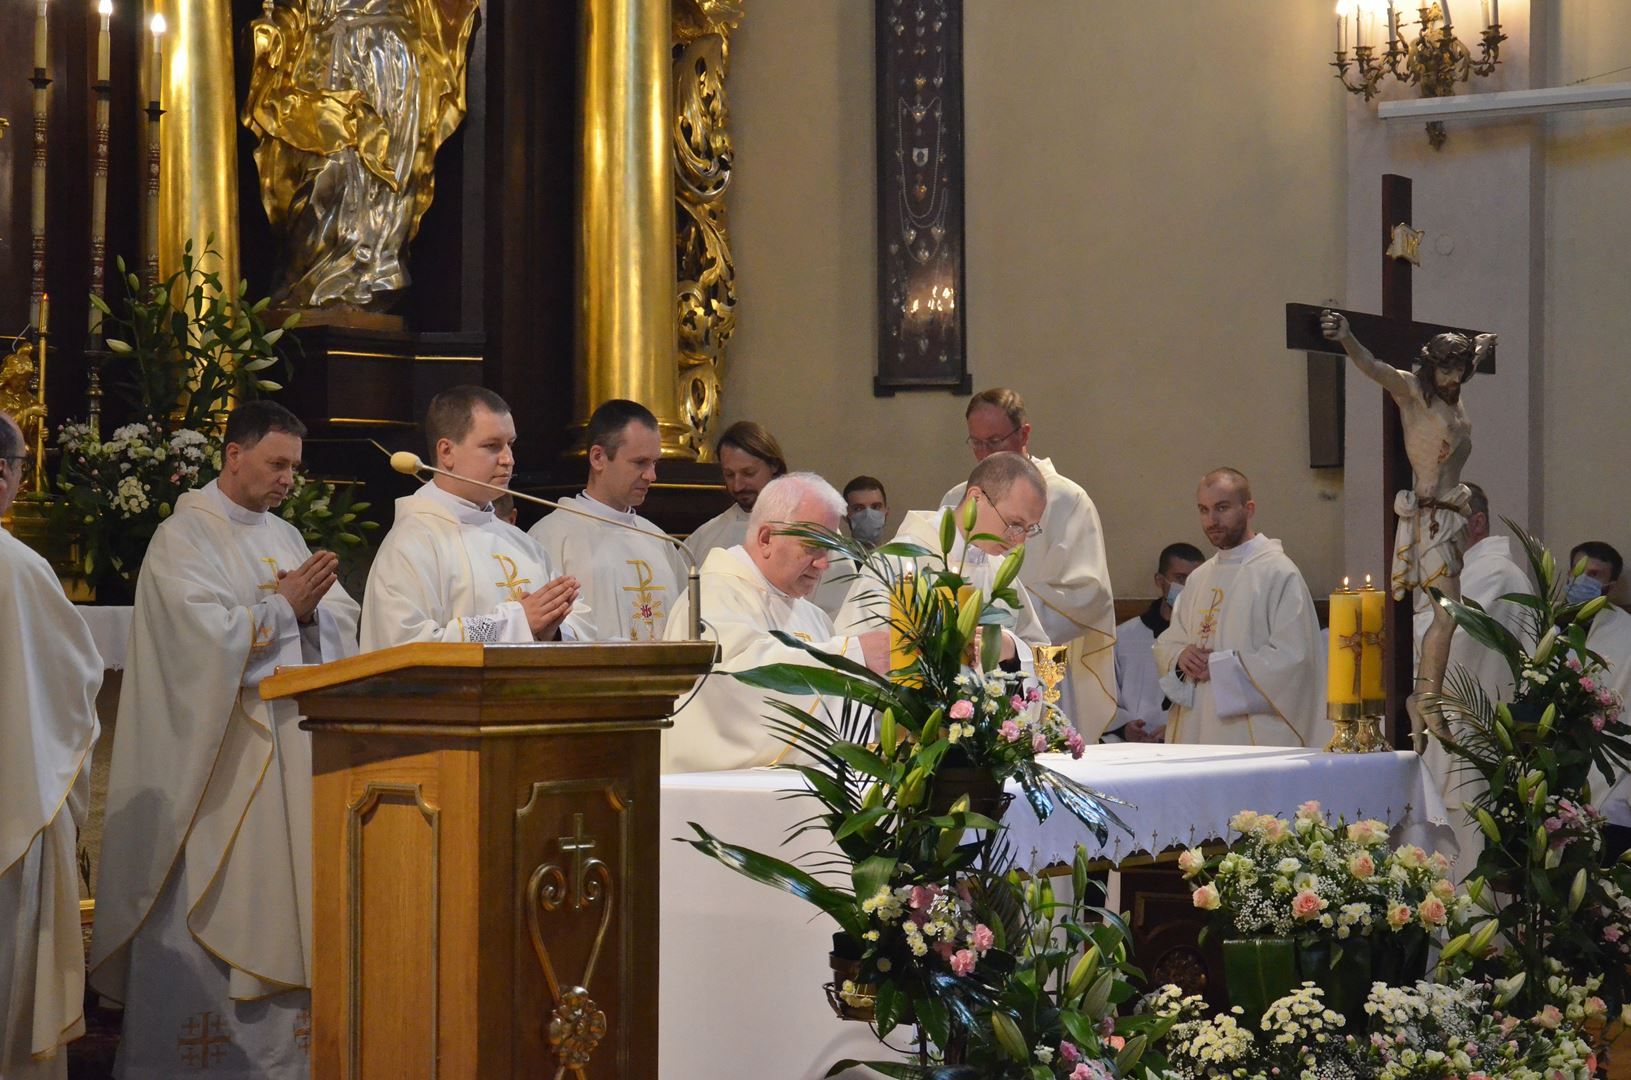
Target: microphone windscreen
(406,461)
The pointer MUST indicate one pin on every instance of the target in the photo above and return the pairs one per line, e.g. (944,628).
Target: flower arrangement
(906,774)
(1555,896)
(1313,880)
(191,351)
(1423,1031)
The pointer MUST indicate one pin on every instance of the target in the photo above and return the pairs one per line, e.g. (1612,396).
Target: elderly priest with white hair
(1010,497)
(748,591)
(203,904)
(49,672)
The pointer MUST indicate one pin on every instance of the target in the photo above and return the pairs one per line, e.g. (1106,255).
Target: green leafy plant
(906,776)
(1555,895)
(184,351)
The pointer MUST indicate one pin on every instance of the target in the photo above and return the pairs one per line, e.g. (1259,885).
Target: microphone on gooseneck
(410,464)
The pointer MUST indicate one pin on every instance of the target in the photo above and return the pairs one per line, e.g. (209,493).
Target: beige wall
(1146,189)
(1587,372)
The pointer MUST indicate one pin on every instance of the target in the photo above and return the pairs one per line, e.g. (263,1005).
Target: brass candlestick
(41,348)
(1345,724)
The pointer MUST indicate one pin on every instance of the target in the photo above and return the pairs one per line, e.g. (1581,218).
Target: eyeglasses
(990,444)
(1012,529)
(17,460)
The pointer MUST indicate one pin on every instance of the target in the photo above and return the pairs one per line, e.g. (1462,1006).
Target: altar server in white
(203,905)
(1488,573)
(1065,571)
(749,458)
(1241,662)
(748,591)
(449,570)
(1610,638)
(1141,704)
(49,675)
(629,581)
(1010,498)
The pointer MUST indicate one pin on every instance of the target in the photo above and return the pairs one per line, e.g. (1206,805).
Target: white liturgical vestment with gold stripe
(49,676)
(450,571)
(1250,606)
(725,726)
(203,902)
(629,581)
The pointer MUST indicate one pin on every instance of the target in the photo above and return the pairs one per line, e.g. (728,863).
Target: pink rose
(1398,916)
(1307,904)
(962,962)
(1588,685)
(1039,743)
(1075,743)
(1068,1052)
(1009,731)
(1549,1018)
(1016,703)
(1612,933)
(1309,810)
(923,896)
(1206,898)
(1362,866)
(1572,664)
(1191,862)
(1443,889)
(1432,912)
(1597,721)
(961,710)
(981,938)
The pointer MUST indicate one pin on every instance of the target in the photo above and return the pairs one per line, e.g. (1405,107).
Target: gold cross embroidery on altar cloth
(647,605)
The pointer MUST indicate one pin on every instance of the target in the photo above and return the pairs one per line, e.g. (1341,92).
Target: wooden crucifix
(1395,338)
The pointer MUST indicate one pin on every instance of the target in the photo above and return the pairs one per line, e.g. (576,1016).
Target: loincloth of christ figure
(1431,541)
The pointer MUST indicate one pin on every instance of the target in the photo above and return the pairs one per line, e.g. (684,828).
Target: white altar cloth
(110,629)
(742,963)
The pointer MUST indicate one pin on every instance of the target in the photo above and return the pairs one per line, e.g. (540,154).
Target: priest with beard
(748,592)
(630,580)
(1241,662)
(749,458)
(51,673)
(449,570)
(203,906)
(1066,576)
(1010,497)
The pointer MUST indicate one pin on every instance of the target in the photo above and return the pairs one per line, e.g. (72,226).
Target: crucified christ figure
(1428,549)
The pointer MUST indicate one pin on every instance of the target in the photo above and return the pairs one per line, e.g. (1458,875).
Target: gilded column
(626,329)
(198,184)
(706,291)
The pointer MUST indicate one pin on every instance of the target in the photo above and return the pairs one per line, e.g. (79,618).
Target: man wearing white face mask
(1141,705)
(866,509)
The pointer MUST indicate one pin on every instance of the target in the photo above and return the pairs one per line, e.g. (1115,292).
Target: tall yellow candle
(902,653)
(1347,637)
(1371,690)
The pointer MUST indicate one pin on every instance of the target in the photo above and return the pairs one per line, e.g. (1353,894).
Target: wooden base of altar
(485,857)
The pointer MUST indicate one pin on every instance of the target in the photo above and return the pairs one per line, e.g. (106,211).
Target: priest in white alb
(629,580)
(1609,637)
(49,676)
(749,591)
(749,458)
(1065,574)
(1010,497)
(1241,662)
(449,570)
(203,903)
(1488,572)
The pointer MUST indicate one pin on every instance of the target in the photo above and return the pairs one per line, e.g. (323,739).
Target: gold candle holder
(1373,729)
(1052,664)
(1345,723)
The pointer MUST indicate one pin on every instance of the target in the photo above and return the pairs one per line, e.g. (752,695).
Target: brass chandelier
(1435,61)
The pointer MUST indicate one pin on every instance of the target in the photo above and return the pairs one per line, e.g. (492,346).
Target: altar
(741,964)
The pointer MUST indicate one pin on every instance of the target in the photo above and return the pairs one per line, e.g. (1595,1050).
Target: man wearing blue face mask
(1610,638)
(1603,567)
(1141,707)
